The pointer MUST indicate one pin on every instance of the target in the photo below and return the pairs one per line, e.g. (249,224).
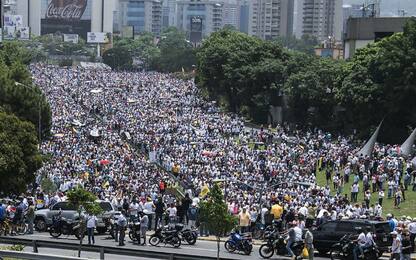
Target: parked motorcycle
(239,242)
(134,230)
(344,250)
(187,235)
(61,226)
(277,244)
(166,236)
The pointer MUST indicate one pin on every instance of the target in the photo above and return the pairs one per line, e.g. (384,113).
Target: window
(63,206)
(344,227)
(330,226)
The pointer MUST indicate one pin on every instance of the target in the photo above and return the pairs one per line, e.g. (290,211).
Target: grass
(407,207)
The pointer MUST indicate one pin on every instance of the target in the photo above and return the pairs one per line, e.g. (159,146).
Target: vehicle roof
(366,221)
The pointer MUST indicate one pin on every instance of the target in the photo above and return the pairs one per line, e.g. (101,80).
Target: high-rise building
(230,14)
(268,19)
(143,15)
(199,18)
(319,18)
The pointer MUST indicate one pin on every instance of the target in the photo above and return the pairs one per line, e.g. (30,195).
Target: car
(329,233)
(43,217)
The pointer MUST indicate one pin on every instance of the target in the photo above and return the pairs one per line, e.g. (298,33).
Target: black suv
(331,232)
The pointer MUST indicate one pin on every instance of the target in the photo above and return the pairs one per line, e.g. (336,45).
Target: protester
(91,224)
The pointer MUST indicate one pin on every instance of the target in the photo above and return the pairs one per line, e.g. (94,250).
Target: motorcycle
(189,236)
(61,226)
(277,244)
(239,242)
(166,236)
(344,250)
(134,230)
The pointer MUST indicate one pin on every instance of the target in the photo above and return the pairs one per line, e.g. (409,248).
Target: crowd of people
(129,137)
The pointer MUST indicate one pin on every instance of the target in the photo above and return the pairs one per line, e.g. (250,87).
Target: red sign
(66,9)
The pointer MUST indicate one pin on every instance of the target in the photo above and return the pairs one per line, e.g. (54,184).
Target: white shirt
(91,220)
(412,227)
(362,239)
(172,212)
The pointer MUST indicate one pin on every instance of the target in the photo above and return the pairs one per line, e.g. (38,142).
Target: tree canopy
(19,155)
(17,93)
(247,75)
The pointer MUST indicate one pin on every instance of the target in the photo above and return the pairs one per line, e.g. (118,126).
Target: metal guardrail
(102,250)
(36,256)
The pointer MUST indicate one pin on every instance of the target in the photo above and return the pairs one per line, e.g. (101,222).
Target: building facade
(199,18)
(319,18)
(365,30)
(142,15)
(76,16)
(268,19)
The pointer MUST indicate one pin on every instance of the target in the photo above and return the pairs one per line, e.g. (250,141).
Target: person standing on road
(91,224)
(30,217)
(244,218)
(160,208)
(144,222)
(309,243)
(122,224)
(192,216)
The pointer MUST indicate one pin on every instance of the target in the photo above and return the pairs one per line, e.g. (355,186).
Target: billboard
(98,37)
(196,29)
(71,38)
(13,20)
(9,32)
(66,16)
(22,33)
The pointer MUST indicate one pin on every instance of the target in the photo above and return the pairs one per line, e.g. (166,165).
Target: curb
(213,239)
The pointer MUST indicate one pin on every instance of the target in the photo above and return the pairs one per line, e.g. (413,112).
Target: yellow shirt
(244,219)
(277,211)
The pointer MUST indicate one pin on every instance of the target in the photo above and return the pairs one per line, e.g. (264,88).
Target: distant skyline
(391,7)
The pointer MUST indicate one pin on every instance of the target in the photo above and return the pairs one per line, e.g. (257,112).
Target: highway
(200,249)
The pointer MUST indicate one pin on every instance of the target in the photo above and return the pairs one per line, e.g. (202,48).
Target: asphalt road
(201,248)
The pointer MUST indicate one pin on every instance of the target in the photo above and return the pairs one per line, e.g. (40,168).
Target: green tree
(142,48)
(19,155)
(314,87)
(118,58)
(244,73)
(83,201)
(306,44)
(175,51)
(214,213)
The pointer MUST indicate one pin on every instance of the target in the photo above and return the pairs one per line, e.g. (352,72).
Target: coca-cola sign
(66,9)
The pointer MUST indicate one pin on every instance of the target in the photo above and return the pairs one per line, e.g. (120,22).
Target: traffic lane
(84,254)
(201,248)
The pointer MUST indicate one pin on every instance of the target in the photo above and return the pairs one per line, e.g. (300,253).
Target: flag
(204,191)
(368,148)
(406,147)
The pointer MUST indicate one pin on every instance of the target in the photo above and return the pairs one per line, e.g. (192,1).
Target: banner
(368,148)
(22,33)
(71,38)
(406,148)
(1,34)
(9,32)
(66,16)
(13,20)
(196,29)
(98,37)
